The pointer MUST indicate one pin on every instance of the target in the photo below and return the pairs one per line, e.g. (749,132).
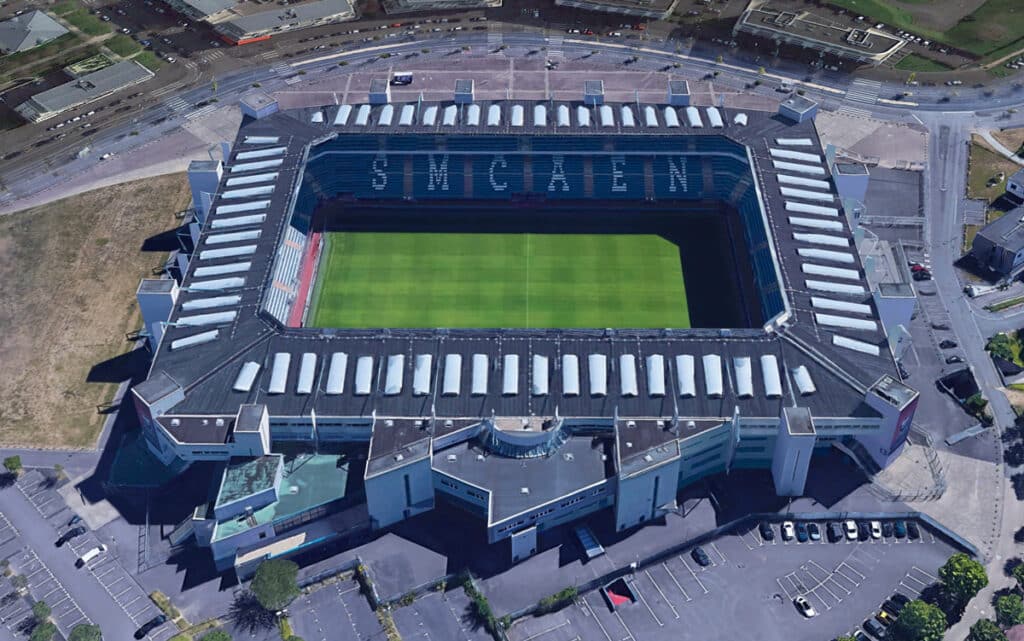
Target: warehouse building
(28,31)
(999,245)
(84,89)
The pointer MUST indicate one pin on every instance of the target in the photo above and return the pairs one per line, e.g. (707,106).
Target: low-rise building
(27,31)
(402,6)
(999,245)
(652,9)
(85,89)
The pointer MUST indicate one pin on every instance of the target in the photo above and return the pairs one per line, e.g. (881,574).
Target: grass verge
(914,62)
(970,231)
(500,280)
(68,275)
(983,166)
(123,45)
(1006,304)
(149,60)
(163,602)
(88,24)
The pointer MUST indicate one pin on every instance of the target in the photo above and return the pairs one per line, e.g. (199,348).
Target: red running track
(305,279)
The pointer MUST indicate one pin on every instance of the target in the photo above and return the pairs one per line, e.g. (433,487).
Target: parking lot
(337,611)
(750,583)
(123,589)
(439,616)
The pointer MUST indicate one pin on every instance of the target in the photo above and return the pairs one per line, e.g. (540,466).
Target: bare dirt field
(68,274)
(1012,139)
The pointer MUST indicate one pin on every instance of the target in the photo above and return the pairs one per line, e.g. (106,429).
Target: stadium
(527,311)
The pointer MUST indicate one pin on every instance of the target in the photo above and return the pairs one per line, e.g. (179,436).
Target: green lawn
(122,45)
(499,280)
(88,24)
(914,62)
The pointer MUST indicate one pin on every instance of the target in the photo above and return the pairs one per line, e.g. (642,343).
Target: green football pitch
(498,281)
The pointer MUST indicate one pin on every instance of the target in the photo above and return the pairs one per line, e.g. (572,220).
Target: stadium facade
(526,429)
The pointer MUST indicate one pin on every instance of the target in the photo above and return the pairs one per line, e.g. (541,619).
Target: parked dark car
(900,529)
(887,529)
(947,344)
(74,519)
(900,600)
(835,532)
(875,629)
(701,557)
(814,531)
(891,607)
(801,532)
(70,534)
(863,531)
(767,533)
(150,625)
(912,531)
(954,359)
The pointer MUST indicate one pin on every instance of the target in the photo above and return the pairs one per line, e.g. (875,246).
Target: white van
(90,555)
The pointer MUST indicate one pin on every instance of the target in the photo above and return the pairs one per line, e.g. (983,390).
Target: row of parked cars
(877,626)
(835,531)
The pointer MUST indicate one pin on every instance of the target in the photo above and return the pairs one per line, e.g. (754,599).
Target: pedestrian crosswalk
(281,68)
(177,104)
(202,111)
(853,111)
(210,56)
(555,46)
(494,39)
(191,65)
(865,91)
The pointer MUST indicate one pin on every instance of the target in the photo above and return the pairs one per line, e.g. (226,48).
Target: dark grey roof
(88,87)
(851,168)
(799,420)
(208,371)
(156,285)
(1007,231)
(799,104)
(30,29)
(397,442)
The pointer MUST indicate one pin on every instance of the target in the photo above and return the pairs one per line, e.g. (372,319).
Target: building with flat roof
(652,9)
(527,429)
(84,89)
(788,23)
(405,6)
(211,11)
(1015,185)
(27,31)
(262,25)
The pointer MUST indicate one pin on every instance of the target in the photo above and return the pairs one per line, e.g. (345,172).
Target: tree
(43,632)
(1009,610)
(294,638)
(13,464)
(216,635)
(1018,574)
(41,611)
(275,584)
(846,637)
(986,630)
(84,632)
(920,621)
(963,577)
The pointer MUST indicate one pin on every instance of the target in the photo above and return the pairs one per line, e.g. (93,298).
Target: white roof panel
(831,272)
(540,116)
(656,375)
(307,374)
(804,383)
(195,339)
(650,116)
(510,375)
(833,320)
(807,208)
(540,376)
(744,371)
(451,116)
(407,117)
(518,116)
(430,116)
(799,156)
(220,270)
(794,142)
(813,170)
(209,303)
(671,117)
(423,370)
(685,376)
(806,194)
(386,116)
(840,305)
(815,223)
(364,376)
(570,375)
(232,237)
(835,288)
(260,140)
(246,376)
(227,252)
(247,192)
(715,118)
(582,116)
(626,116)
(212,318)
(855,345)
(627,375)
(606,115)
(452,381)
(814,183)
(216,284)
(317,116)
(237,208)
(562,116)
(481,369)
(341,118)
(693,117)
(336,374)
(740,119)
(826,254)
(279,373)
(597,369)
(494,115)
(822,239)
(473,115)
(260,153)
(363,116)
(251,180)
(770,375)
(713,375)
(253,166)
(237,221)
(394,375)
